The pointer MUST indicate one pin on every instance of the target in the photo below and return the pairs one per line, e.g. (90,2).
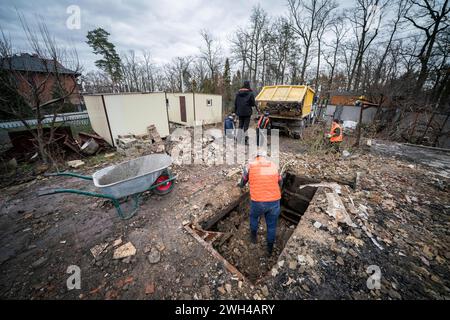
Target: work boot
(269,248)
(253,237)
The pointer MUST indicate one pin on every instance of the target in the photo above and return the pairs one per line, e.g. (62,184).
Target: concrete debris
(154,256)
(336,209)
(75,163)
(332,185)
(133,145)
(265,291)
(98,249)
(117,242)
(124,251)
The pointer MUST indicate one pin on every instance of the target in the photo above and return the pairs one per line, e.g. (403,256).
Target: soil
(252,260)
(398,205)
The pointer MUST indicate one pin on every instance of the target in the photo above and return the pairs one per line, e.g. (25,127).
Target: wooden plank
(215,254)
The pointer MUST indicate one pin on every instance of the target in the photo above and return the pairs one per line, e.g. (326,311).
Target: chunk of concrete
(75,163)
(124,251)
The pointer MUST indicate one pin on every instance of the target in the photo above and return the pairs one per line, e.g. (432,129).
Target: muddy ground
(400,211)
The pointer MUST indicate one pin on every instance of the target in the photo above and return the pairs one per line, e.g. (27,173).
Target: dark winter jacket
(228,124)
(245,100)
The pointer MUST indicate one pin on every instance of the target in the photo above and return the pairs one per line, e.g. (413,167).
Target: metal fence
(71,118)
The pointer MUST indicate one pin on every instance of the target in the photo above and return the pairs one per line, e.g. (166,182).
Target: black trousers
(244,122)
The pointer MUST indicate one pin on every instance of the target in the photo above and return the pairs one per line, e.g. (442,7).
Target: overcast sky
(167,28)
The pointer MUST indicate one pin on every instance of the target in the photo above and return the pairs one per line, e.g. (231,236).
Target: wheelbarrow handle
(68,174)
(46,192)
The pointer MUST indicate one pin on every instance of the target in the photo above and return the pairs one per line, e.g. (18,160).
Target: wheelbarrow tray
(130,177)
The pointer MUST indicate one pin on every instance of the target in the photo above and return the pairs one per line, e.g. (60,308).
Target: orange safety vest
(262,125)
(263,180)
(339,138)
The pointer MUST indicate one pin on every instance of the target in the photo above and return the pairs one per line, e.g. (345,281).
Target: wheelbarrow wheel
(164,188)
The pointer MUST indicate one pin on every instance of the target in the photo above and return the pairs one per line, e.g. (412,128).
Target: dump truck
(289,107)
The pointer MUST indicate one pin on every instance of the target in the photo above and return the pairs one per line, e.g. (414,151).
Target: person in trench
(265,193)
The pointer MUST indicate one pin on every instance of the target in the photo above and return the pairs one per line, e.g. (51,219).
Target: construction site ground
(397,220)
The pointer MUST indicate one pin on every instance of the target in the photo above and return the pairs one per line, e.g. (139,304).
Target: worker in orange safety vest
(336,135)
(265,193)
(264,125)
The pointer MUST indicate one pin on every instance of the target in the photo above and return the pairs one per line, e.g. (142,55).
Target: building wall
(68,82)
(352,113)
(344,100)
(174,108)
(208,114)
(97,116)
(202,113)
(133,113)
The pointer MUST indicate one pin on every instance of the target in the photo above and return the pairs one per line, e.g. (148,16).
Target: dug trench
(227,233)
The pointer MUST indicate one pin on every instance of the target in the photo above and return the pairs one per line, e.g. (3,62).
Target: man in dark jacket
(243,104)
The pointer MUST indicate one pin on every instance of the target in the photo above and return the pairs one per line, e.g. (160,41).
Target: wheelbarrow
(127,179)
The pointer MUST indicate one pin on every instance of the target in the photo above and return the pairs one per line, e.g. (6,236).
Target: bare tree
(430,17)
(366,20)
(338,31)
(211,53)
(307,17)
(33,97)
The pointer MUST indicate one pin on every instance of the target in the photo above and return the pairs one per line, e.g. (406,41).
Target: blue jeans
(271,211)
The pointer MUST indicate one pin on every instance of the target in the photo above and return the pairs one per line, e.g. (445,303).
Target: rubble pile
(369,211)
(132,145)
(207,149)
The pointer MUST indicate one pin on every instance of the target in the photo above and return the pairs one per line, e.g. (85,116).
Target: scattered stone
(352,253)
(39,262)
(221,290)
(228,287)
(160,247)
(292,264)
(117,242)
(124,251)
(340,261)
(274,272)
(265,291)
(150,288)
(154,256)
(317,225)
(98,249)
(75,163)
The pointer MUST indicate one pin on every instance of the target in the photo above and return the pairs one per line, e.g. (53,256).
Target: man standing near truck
(243,103)
(265,194)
